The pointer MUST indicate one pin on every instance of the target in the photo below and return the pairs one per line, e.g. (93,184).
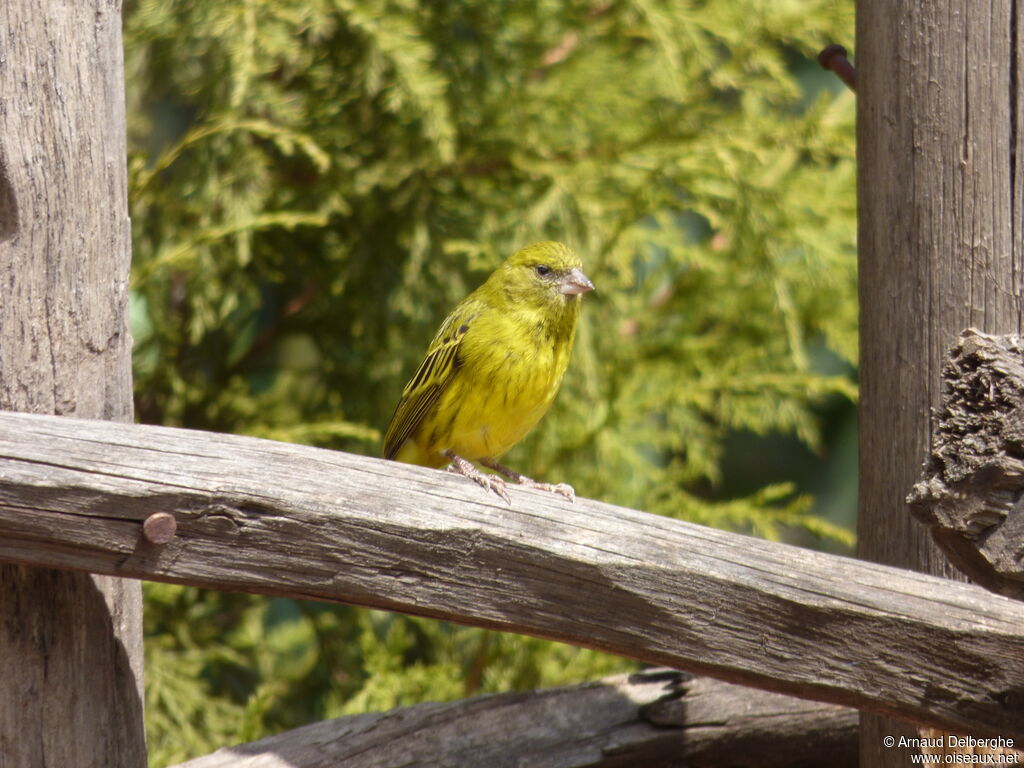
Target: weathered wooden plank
(651,719)
(259,516)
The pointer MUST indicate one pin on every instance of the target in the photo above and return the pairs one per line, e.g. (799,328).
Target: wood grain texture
(974,473)
(70,643)
(258,516)
(939,244)
(65,246)
(654,719)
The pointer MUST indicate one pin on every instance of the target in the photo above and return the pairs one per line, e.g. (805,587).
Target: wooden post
(940,195)
(70,643)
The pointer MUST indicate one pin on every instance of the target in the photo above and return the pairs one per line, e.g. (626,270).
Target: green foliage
(314,184)
(222,669)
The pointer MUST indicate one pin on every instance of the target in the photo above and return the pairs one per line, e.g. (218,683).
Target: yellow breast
(498,395)
(490,423)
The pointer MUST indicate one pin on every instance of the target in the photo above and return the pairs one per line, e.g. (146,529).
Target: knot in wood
(972,487)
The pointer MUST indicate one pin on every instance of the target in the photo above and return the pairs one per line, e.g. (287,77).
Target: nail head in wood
(159,527)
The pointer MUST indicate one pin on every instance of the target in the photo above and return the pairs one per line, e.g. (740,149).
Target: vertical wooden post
(939,190)
(70,643)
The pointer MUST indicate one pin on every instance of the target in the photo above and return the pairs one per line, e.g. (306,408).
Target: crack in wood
(8,204)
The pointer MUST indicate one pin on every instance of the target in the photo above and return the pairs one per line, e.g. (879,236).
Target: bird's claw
(465,468)
(460,466)
(492,483)
(562,489)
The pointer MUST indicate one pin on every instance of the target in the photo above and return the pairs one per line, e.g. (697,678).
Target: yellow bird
(493,369)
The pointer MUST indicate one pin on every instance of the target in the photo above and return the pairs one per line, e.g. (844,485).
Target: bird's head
(548,273)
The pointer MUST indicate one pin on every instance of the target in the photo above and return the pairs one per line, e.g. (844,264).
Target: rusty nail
(160,527)
(834,58)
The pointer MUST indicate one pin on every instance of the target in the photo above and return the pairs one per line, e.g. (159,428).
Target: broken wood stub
(971,491)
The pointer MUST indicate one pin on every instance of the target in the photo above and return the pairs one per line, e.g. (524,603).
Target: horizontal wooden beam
(259,516)
(658,717)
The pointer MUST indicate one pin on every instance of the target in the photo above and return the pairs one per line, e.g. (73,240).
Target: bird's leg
(563,489)
(465,468)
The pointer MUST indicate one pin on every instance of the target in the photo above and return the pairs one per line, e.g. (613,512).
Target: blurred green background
(315,183)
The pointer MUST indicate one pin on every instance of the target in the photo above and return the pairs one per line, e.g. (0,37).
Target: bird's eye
(543,270)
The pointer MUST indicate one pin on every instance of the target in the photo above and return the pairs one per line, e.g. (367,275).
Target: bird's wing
(432,378)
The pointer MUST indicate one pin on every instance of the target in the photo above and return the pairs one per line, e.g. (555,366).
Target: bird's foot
(460,466)
(562,489)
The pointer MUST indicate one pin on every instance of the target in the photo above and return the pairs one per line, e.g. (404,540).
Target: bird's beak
(575,282)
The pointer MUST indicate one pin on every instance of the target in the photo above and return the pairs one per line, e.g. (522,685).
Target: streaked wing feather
(431,379)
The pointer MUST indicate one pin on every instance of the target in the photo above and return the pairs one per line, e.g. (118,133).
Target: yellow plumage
(495,365)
